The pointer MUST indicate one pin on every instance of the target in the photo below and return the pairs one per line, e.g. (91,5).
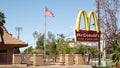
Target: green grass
(105,67)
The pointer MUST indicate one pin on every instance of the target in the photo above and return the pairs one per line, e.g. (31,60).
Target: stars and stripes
(48,13)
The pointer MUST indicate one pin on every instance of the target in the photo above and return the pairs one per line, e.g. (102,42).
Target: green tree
(116,55)
(52,46)
(66,49)
(60,43)
(40,44)
(36,35)
(82,49)
(2,19)
(28,50)
(94,51)
(51,37)
(108,12)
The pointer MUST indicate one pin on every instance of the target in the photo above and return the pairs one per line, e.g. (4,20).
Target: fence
(37,59)
(5,58)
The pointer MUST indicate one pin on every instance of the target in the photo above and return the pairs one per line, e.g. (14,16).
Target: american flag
(48,13)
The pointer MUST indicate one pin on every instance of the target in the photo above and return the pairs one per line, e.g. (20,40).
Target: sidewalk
(14,66)
(49,66)
(58,66)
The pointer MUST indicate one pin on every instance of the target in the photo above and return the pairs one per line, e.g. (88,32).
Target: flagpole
(49,14)
(45,39)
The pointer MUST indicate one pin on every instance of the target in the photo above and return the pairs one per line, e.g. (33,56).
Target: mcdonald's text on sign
(90,36)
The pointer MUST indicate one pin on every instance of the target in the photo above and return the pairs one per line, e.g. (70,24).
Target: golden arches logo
(87,20)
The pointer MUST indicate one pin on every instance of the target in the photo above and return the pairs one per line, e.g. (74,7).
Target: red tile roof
(9,40)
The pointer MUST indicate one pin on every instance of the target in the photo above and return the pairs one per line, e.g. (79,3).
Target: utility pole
(18,29)
(99,55)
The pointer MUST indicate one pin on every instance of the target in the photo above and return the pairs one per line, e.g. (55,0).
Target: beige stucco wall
(62,57)
(80,59)
(69,59)
(38,60)
(16,59)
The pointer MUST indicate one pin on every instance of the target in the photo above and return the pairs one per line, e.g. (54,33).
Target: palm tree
(61,41)
(2,19)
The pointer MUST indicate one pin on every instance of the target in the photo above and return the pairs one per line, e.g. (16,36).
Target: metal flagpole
(50,14)
(45,39)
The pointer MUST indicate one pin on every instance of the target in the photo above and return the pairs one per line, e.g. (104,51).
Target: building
(7,45)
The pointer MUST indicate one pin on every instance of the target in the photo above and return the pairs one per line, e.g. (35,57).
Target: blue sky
(29,14)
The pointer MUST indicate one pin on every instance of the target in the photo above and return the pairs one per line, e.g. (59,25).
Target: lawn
(105,67)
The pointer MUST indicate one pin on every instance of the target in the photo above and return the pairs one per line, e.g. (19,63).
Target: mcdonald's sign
(87,35)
